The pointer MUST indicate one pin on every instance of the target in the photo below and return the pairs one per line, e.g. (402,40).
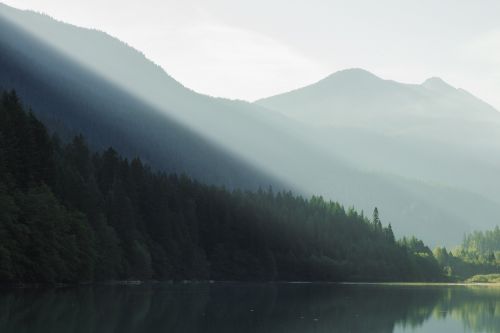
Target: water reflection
(250,308)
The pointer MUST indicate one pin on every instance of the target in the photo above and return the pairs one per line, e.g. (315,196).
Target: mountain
(71,98)
(85,81)
(68,214)
(358,98)
(432,132)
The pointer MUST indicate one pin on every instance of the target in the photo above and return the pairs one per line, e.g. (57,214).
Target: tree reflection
(245,308)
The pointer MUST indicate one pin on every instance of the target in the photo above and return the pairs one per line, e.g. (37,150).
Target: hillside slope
(430,131)
(68,214)
(80,80)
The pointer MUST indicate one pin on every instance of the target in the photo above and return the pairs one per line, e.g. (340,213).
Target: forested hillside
(71,99)
(85,81)
(483,245)
(68,214)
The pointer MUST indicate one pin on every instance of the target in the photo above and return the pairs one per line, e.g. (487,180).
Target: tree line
(478,254)
(68,214)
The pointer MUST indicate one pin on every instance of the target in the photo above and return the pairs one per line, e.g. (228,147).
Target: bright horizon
(241,52)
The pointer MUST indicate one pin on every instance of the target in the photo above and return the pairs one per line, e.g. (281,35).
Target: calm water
(259,308)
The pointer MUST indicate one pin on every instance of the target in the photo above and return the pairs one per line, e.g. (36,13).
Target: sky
(253,49)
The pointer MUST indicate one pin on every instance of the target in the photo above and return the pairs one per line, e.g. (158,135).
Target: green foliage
(421,257)
(482,246)
(488,278)
(478,255)
(67,214)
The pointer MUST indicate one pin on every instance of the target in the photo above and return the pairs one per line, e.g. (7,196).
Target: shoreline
(184,282)
(426,284)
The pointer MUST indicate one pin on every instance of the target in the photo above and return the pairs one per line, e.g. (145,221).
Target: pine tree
(376,220)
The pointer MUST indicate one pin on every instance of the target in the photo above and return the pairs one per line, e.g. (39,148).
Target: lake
(259,307)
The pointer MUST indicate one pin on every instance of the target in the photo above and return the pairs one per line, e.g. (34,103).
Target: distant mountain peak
(352,73)
(436,83)
(354,70)
(352,77)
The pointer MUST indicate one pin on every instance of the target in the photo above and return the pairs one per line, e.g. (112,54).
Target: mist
(363,141)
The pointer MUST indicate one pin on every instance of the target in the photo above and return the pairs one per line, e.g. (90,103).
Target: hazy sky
(252,49)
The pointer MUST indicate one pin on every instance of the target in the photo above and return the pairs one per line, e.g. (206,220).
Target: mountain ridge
(424,117)
(215,140)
